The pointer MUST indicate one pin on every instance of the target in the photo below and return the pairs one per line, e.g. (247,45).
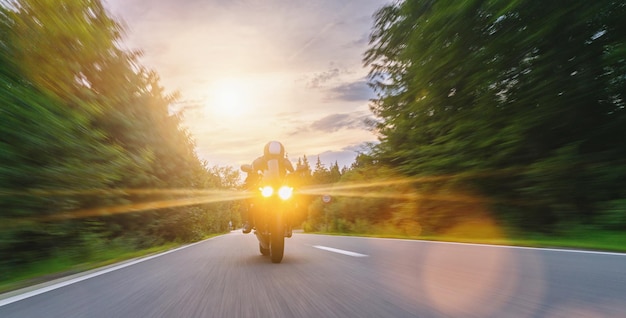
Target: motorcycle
(270,212)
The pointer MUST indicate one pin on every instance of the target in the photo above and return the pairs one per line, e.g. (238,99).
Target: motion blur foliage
(43,145)
(371,198)
(497,115)
(521,101)
(83,126)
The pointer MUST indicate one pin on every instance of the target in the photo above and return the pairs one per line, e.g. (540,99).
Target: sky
(251,71)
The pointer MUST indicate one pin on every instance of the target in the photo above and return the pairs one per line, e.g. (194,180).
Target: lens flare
(393,188)
(190,197)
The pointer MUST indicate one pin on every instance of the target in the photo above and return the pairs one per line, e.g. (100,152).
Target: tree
(229,177)
(43,145)
(303,172)
(334,174)
(320,173)
(86,136)
(521,99)
(62,52)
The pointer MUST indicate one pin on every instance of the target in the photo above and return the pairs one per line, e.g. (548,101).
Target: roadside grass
(59,267)
(592,240)
(597,240)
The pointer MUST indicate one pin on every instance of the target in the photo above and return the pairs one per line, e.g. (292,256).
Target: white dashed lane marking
(336,250)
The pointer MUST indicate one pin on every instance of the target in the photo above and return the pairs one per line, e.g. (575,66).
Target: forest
(493,117)
(91,157)
(520,101)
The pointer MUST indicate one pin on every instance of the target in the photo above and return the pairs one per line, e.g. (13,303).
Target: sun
(228,98)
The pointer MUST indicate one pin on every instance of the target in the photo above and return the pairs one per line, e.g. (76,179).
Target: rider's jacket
(273,166)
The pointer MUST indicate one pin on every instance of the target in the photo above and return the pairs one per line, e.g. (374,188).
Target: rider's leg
(245,217)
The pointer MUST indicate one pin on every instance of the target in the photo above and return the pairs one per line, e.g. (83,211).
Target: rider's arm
(287,164)
(259,164)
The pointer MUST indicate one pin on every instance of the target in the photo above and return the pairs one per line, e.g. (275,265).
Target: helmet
(274,149)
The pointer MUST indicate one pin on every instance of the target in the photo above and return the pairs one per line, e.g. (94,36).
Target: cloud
(355,91)
(321,78)
(335,122)
(344,157)
(348,91)
(363,147)
(360,43)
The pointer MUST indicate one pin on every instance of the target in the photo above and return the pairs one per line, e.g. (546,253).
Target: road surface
(329,276)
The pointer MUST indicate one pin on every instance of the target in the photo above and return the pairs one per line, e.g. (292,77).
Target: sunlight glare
(228,98)
(189,197)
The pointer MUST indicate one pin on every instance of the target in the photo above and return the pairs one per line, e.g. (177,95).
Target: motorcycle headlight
(285,192)
(267,191)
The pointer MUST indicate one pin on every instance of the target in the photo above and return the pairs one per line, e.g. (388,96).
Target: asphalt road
(326,276)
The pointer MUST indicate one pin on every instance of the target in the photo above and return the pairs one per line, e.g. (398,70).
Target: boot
(246,228)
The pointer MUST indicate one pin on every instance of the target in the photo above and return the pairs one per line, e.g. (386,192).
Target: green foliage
(366,208)
(525,96)
(86,137)
(504,116)
(226,177)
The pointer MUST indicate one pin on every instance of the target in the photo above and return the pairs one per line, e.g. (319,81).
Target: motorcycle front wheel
(277,243)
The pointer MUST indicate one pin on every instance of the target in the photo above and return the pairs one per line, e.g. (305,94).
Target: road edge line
(45,289)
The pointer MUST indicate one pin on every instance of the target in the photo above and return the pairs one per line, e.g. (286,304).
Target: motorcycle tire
(277,243)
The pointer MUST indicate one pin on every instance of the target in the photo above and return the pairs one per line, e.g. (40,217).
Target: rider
(272,161)
(273,154)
